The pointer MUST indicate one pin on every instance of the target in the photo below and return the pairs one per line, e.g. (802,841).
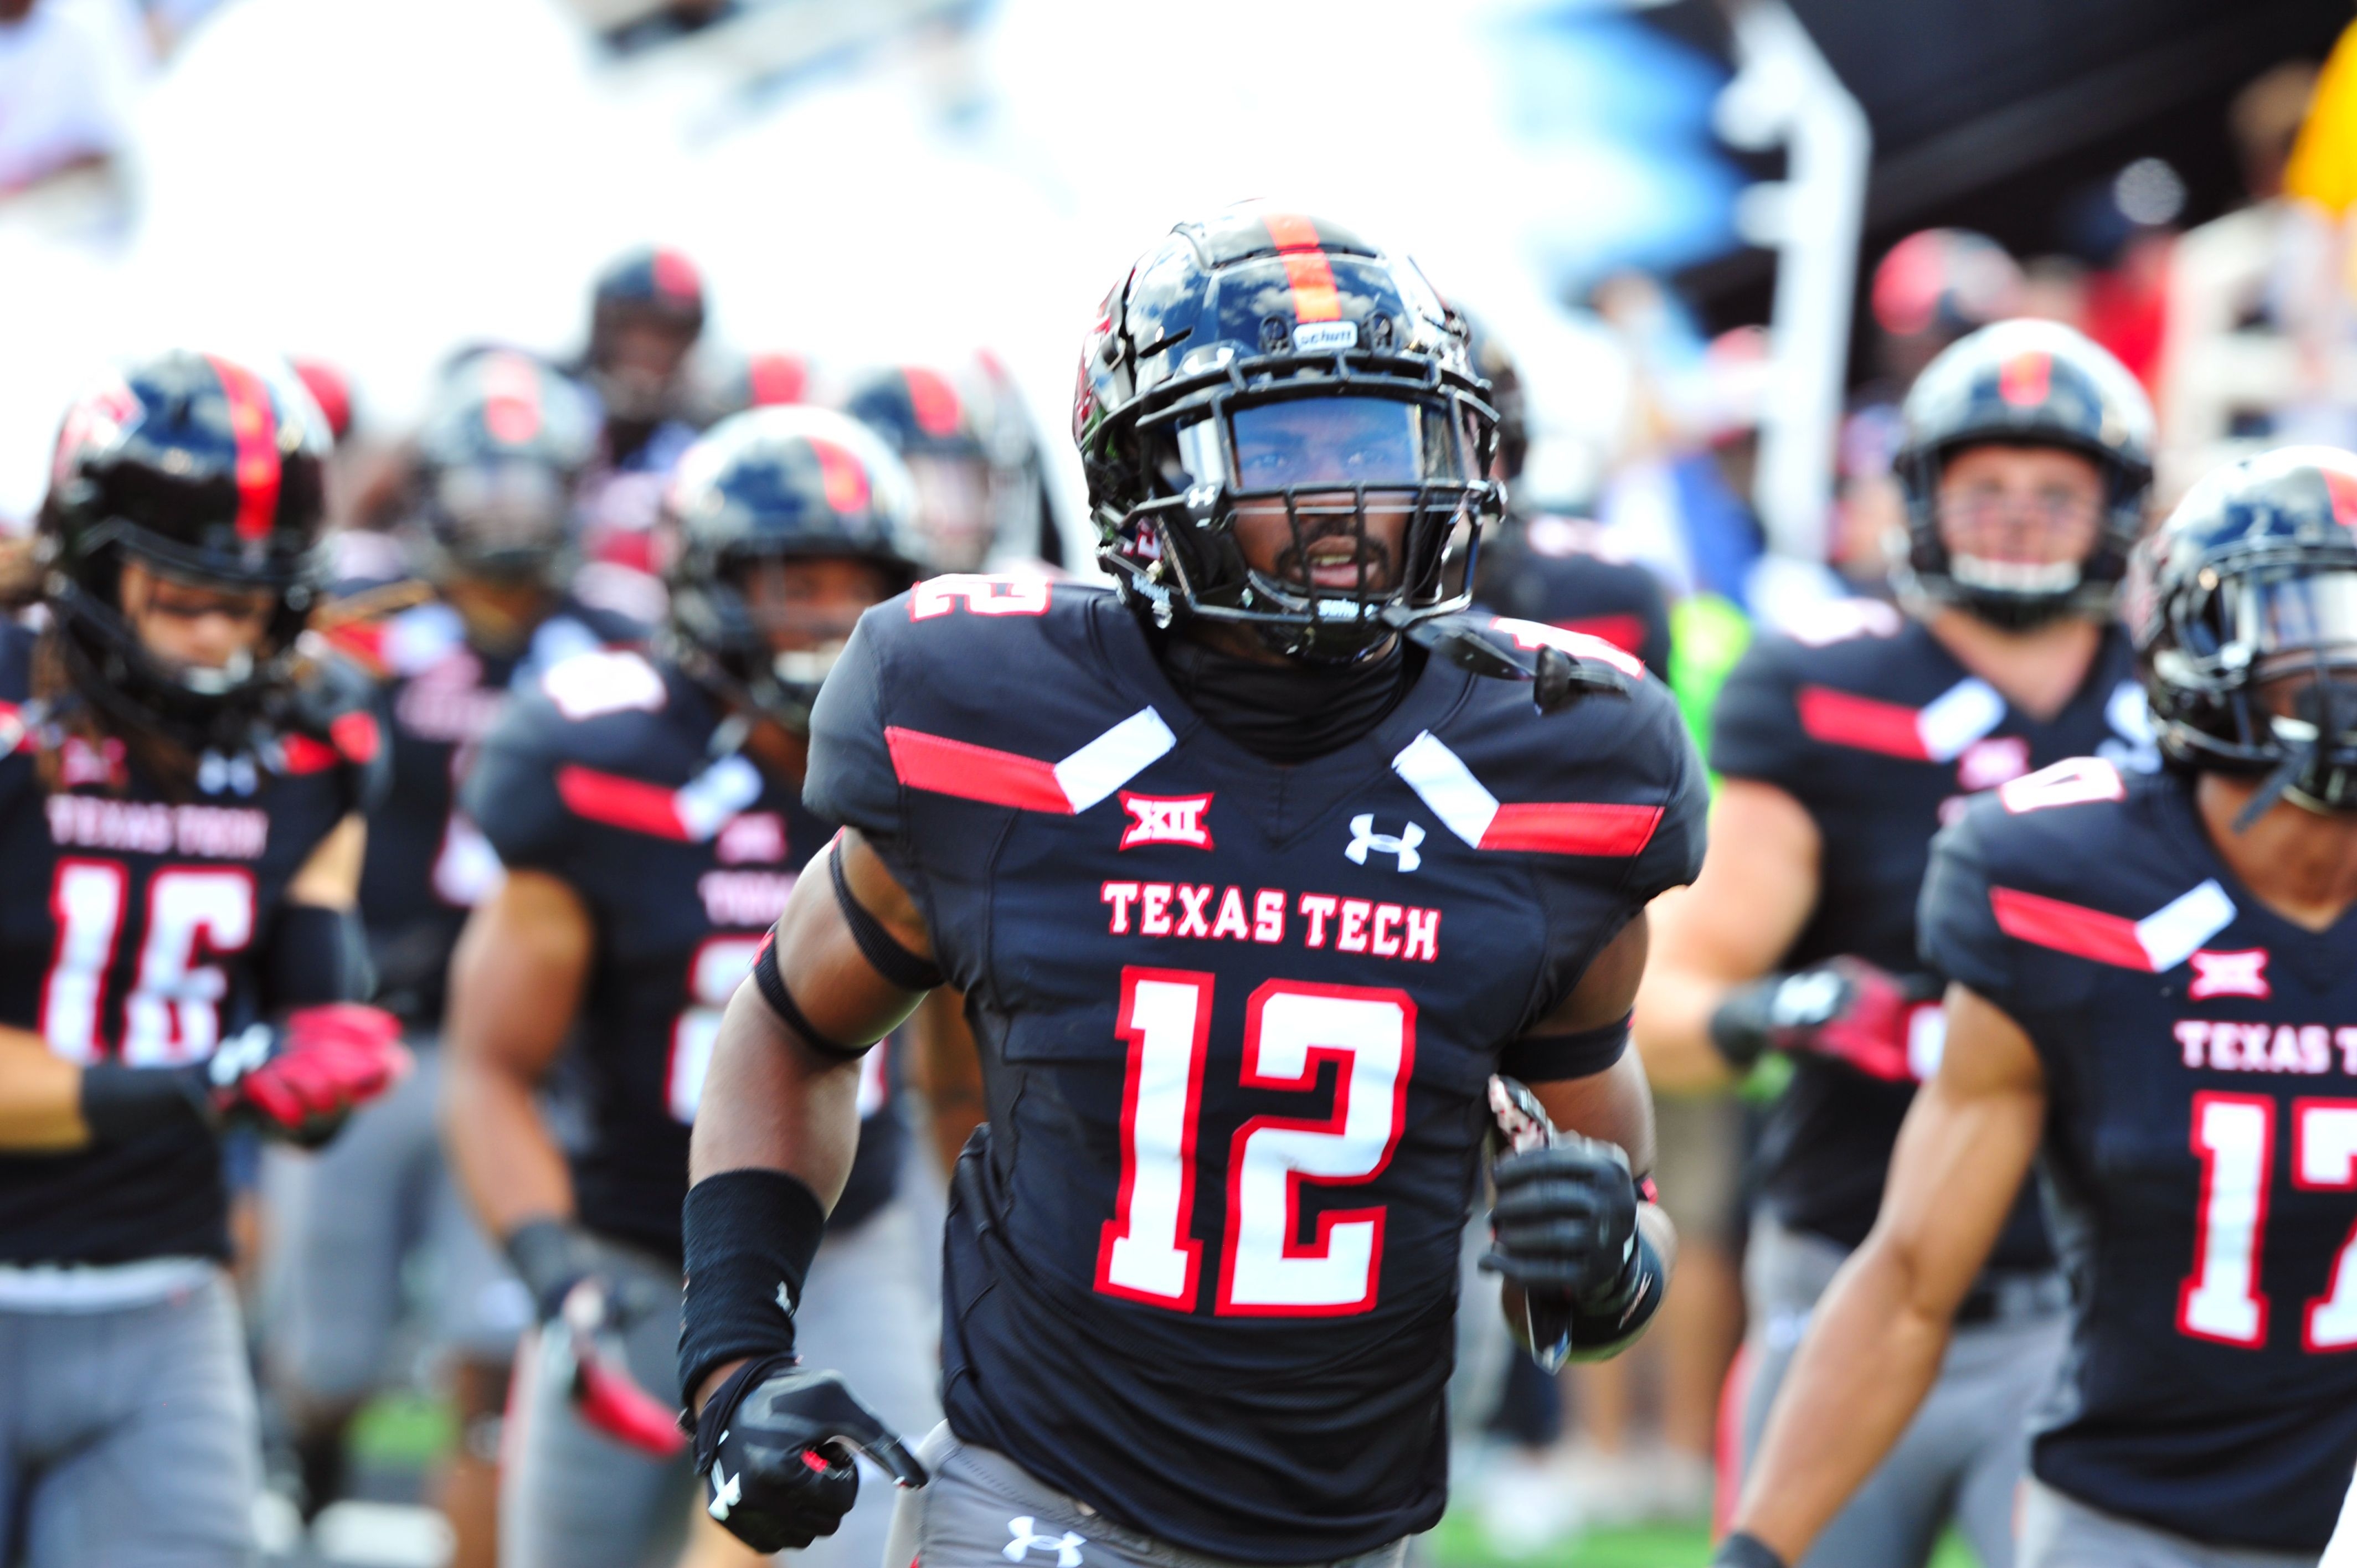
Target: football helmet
(945,428)
(655,287)
(2243,609)
(788,483)
(504,443)
(201,469)
(1260,359)
(2026,383)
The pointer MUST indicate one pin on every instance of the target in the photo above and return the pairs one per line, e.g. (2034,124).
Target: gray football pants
(128,1438)
(1960,1459)
(2060,1531)
(984,1510)
(572,1498)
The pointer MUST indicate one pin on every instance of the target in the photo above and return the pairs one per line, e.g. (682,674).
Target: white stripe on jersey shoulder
(1443,782)
(1113,758)
(2172,934)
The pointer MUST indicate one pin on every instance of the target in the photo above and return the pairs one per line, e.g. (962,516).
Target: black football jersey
(132,929)
(613,775)
(427,863)
(2201,1151)
(1871,725)
(1554,573)
(1237,1022)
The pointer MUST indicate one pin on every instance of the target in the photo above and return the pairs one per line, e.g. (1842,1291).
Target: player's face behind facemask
(2302,633)
(2019,518)
(1323,491)
(956,510)
(207,636)
(806,608)
(639,364)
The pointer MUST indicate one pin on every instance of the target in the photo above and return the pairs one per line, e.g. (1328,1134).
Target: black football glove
(1745,1551)
(773,1446)
(1846,1009)
(1564,1224)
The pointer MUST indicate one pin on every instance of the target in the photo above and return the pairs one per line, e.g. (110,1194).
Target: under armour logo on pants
(1067,1546)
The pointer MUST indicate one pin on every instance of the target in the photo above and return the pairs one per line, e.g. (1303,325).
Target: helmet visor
(2294,622)
(1324,443)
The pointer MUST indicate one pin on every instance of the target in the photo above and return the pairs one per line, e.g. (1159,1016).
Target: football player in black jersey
(1252,883)
(944,428)
(2153,994)
(646,316)
(1843,750)
(484,608)
(648,814)
(182,784)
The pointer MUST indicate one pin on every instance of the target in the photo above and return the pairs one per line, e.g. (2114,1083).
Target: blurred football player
(649,814)
(646,316)
(181,803)
(1843,749)
(966,448)
(1250,884)
(491,542)
(2152,992)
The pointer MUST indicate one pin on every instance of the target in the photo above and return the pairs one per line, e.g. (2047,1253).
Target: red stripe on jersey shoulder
(2069,928)
(1572,827)
(970,772)
(1625,632)
(363,640)
(631,804)
(1866,723)
(356,736)
(301,754)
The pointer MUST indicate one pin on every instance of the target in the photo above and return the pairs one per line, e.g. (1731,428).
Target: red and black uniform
(2201,1150)
(614,775)
(1237,1022)
(136,927)
(1881,736)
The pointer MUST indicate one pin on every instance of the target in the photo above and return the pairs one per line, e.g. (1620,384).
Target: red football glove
(300,1078)
(1844,1009)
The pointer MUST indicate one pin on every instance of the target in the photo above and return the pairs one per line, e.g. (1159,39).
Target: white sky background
(372,181)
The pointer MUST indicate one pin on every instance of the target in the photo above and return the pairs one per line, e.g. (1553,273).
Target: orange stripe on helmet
(510,399)
(1315,299)
(842,475)
(933,400)
(253,427)
(2026,379)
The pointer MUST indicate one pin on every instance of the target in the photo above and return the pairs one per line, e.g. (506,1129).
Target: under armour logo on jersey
(1364,838)
(1157,818)
(785,1299)
(727,1490)
(2230,974)
(1025,1534)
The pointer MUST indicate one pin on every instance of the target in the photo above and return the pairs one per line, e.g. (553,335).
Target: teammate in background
(1841,754)
(1548,568)
(976,502)
(649,814)
(646,315)
(181,802)
(484,610)
(2152,991)
(1202,1263)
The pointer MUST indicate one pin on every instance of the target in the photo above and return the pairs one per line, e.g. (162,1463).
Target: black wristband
(1744,1550)
(772,987)
(1739,1026)
(708,1424)
(119,1103)
(551,1257)
(1550,1059)
(317,955)
(893,961)
(749,1237)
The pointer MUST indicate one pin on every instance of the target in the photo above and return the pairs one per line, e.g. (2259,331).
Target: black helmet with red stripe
(791,483)
(2025,384)
(203,470)
(947,428)
(2243,609)
(1263,359)
(504,443)
(646,312)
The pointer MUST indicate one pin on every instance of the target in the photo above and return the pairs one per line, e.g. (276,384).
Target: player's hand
(774,1447)
(1564,1224)
(300,1078)
(1844,1009)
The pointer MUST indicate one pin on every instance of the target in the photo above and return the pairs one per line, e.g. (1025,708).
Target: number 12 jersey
(1236,1021)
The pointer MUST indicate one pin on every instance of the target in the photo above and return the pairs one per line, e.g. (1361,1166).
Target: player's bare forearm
(515,984)
(1757,887)
(949,1071)
(40,1096)
(1875,1341)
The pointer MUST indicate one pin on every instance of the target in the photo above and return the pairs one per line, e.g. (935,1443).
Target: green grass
(403,1431)
(1458,1543)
